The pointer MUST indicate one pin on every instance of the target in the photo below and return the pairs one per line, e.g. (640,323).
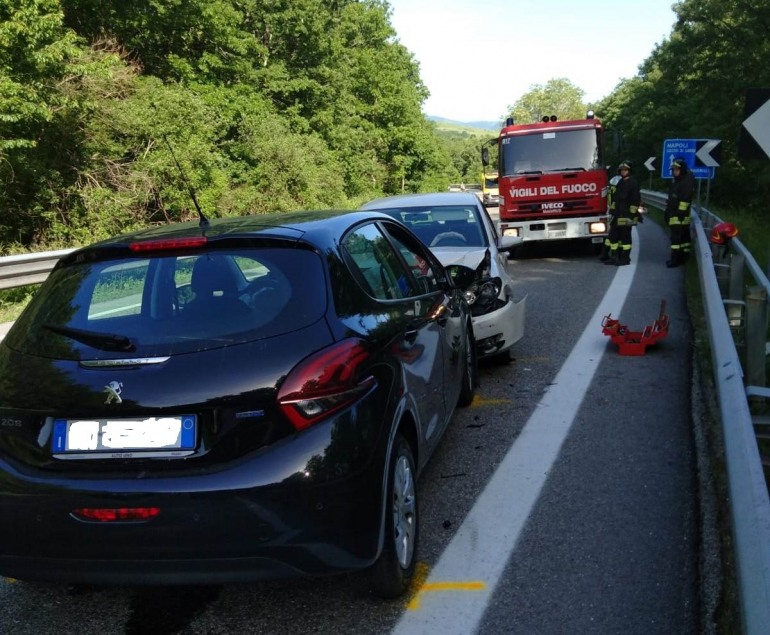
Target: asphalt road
(612,543)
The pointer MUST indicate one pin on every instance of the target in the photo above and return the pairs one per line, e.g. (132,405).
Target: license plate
(124,438)
(597,239)
(559,233)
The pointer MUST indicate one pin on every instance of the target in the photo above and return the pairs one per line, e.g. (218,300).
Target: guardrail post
(756,336)
(737,264)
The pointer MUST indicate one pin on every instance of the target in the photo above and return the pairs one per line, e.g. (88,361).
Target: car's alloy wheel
(392,572)
(404,516)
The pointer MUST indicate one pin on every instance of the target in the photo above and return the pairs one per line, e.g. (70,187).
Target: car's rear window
(168,304)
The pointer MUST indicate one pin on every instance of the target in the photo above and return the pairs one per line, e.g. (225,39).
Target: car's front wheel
(470,370)
(392,573)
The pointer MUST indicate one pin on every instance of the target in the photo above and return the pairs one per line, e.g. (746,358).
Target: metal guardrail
(749,501)
(25,269)
(750,504)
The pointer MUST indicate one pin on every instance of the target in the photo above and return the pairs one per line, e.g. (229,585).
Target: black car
(248,400)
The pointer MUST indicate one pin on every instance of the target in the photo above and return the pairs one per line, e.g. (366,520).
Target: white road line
(477,555)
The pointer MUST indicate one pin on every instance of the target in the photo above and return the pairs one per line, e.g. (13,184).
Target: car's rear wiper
(102,341)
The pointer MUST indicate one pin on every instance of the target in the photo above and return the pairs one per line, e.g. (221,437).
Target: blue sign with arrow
(699,154)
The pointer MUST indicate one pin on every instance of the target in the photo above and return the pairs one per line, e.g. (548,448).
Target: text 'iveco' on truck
(552,180)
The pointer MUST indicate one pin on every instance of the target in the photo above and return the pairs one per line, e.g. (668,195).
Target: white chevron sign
(758,126)
(704,153)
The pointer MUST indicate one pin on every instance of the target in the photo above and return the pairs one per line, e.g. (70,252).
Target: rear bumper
(212,528)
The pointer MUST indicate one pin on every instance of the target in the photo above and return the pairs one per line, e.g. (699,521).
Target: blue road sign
(685,148)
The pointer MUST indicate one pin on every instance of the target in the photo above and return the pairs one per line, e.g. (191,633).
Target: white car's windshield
(444,225)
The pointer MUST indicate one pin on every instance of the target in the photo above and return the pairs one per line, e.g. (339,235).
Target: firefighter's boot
(605,254)
(675,260)
(624,258)
(613,258)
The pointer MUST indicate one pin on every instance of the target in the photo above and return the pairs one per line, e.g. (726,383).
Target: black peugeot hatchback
(248,400)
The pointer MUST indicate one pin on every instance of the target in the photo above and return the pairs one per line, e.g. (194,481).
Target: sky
(477,57)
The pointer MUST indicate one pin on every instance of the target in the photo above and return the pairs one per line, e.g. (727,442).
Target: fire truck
(552,180)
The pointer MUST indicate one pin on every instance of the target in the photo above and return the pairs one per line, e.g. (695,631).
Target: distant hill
(483,125)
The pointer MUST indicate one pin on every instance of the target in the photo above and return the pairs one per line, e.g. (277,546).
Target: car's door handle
(411,335)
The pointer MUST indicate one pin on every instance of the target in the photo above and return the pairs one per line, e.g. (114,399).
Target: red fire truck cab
(552,180)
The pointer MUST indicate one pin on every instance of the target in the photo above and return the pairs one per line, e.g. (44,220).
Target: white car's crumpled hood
(460,256)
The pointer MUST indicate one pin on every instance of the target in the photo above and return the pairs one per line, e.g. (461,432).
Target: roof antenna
(204,222)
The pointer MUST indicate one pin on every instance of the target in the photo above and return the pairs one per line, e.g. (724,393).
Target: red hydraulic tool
(636,342)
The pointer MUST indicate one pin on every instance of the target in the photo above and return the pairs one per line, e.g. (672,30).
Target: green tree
(557,97)
(693,86)
(40,61)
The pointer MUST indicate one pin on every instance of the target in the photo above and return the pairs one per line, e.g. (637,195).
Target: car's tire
(392,573)
(470,372)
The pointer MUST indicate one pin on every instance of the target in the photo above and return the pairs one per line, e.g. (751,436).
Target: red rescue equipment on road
(636,342)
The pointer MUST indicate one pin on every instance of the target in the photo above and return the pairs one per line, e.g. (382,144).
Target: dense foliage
(558,98)
(271,105)
(693,86)
(268,105)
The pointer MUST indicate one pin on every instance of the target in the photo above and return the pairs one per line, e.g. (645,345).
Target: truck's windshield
(552,151)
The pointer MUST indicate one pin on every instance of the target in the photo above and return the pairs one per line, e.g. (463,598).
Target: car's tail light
(115,514)
(324,383)
(168,243)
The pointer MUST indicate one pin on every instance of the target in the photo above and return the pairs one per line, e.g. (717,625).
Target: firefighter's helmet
(680,163)
(626,164)
(722,233)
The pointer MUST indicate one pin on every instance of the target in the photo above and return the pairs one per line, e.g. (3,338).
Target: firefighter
(677,214)
(608,240)
(625,213)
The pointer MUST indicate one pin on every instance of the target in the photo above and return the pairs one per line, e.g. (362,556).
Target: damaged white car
(459,231)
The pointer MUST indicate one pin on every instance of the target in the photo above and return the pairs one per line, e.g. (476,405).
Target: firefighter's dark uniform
(625,202)
(612,231)
(677,214)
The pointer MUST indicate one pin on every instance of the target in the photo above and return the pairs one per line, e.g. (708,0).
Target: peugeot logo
(113,390)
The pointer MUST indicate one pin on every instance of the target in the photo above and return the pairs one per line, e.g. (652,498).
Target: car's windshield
(541,152)
(443,225)
(159,305)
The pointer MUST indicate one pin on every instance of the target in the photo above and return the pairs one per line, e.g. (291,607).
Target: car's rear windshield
(172,303)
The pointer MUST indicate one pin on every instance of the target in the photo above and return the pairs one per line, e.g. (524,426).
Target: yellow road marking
(478,400)
(432,587)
